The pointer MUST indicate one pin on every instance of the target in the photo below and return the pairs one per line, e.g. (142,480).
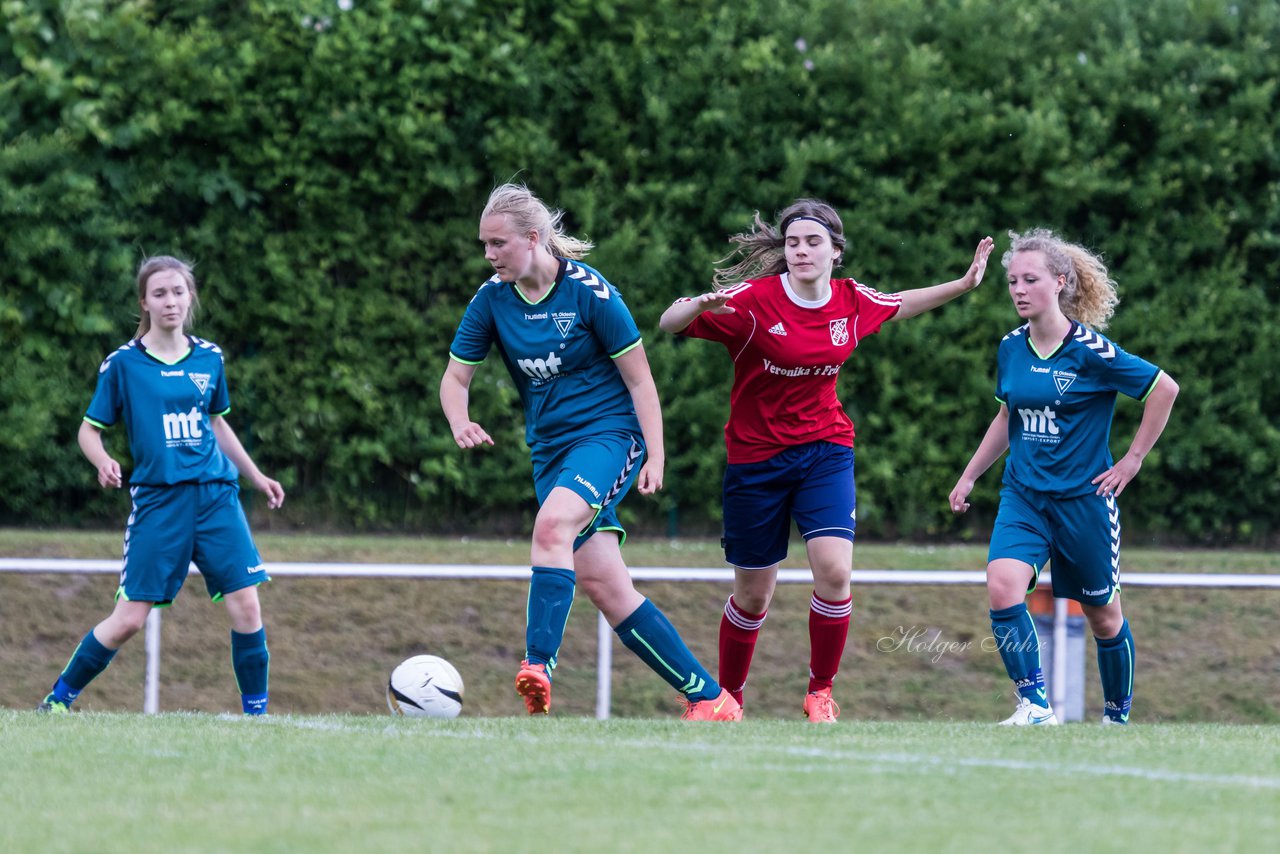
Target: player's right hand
(471,435)
(715,302)
(109,474)
(959,494)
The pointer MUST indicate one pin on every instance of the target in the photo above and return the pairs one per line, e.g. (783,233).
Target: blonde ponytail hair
(527,213)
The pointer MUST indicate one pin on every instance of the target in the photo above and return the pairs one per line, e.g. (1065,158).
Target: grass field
(198,782)
(1203,655)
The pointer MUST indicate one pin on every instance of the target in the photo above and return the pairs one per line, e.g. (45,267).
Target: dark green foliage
(325,169)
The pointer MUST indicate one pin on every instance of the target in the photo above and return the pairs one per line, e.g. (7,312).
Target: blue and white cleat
(1107,720)
(1029,714)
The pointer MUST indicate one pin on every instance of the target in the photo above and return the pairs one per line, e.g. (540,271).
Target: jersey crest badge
(564,321)
(840,331)
(1063,380)
(201,381)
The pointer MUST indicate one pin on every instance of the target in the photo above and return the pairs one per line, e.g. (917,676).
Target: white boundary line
(1058,770)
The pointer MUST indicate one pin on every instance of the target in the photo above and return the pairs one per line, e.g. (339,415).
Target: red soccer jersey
(787,353)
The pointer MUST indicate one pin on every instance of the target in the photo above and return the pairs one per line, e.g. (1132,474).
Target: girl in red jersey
(789,441)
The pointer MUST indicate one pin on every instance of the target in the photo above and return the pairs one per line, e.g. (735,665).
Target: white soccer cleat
(1107,720)
(1029,714)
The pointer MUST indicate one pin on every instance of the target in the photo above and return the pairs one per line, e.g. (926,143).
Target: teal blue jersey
(559,352)
(166,410)
(1060,407)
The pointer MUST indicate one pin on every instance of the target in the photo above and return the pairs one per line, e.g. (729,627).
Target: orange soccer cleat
(534,685)
(721,708)
(820,708)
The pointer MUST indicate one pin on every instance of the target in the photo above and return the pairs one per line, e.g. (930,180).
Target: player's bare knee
(114,631)
(553,532)
(753,601)
(1003,594)
(1105,621)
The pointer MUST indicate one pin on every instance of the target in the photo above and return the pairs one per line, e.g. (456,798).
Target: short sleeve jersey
(166,410)
(787,353)
(1061,405)
(559,352)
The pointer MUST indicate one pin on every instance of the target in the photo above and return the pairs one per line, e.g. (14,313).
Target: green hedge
(325,169)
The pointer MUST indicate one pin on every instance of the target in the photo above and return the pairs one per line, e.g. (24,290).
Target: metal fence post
(604,667)
(151,691)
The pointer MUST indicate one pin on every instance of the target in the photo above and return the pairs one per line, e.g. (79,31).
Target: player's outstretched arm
(455,400)
(229,442)
(682,312)
(920,300)
(994,443)
(90,439)
(634,367)
(1155,415)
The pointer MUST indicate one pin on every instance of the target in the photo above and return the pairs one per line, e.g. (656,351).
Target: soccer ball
(425,686)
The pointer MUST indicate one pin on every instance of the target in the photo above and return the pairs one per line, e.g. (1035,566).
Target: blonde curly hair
(1089,295)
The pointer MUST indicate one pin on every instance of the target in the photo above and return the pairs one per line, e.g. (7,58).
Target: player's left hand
(273,490)
(1115,479)
(649,480)
(973,277)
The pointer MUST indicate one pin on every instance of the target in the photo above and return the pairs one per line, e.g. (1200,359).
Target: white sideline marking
(1049,768)
(900,759)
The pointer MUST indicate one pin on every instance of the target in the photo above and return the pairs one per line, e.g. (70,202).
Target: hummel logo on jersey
(182,425)
(177,373)
(1039,423)
(201,381)
(777,329)
(541,369)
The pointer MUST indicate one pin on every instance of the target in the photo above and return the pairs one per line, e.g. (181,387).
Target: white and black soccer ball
(425,686)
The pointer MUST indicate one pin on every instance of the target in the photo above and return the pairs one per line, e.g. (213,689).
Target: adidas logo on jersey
(777,329)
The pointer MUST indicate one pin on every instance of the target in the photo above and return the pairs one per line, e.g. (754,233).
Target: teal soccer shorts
(171,527)
(1079,537)
(599,468)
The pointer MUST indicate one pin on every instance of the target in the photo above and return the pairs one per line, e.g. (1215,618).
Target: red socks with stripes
(828,631)
(738,633)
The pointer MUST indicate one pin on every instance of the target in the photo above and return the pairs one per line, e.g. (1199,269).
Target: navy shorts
(599,468)
(170,527)
(1079,537)
(812,484)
